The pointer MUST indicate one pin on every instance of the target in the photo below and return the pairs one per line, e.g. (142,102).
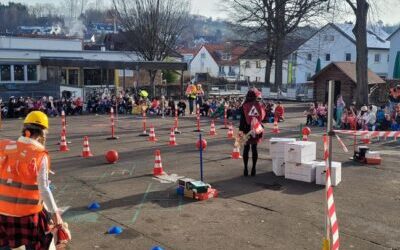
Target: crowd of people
(20,107)
(371,117)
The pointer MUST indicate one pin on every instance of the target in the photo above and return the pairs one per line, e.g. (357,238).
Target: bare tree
(152,27)
(276,19)
(360,8)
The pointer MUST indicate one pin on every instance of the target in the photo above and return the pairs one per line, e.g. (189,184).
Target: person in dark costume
(252,109)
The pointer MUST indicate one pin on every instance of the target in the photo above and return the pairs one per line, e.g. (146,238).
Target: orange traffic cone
(63,143)
(212,128)
(152,136)
(172,140)
(230,131)
(86,149)
(236,152)
(275,129)
(158,169)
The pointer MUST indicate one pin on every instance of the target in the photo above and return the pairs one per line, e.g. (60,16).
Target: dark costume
(249,110)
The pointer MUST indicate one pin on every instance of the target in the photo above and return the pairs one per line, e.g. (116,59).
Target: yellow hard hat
(38,118)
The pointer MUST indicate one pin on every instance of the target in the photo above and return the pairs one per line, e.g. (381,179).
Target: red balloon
(203,143)
(306,131)
(112,156)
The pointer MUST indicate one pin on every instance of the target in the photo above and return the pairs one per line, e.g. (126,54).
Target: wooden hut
(344,75)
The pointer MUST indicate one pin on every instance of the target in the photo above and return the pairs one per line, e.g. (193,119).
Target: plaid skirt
(31,231)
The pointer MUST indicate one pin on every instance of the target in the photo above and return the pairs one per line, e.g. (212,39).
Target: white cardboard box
(336,173)
(300,151)
(373,154)
(278,166)
(300,171)
(277,146)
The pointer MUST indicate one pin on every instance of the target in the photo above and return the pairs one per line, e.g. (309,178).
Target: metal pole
(201,157)
(331,133)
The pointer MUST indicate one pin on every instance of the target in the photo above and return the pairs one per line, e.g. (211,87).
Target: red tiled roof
(188,50)
(216,51)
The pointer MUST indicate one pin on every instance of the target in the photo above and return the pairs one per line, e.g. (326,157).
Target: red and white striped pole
(331,219)
(113,137)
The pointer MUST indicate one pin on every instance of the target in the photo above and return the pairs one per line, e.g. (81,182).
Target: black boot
(245,172)
(253,171)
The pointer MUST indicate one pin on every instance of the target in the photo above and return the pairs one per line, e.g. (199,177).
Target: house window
(231,71)
(222,70)
(377,58)
(226,56)
(5,73)
(308,76)
(73,76)
(203,55)
(309,57)
(348,57)
(329,38)
(327,57)
(258,64)
(247,64)
(19,73)
(32,72)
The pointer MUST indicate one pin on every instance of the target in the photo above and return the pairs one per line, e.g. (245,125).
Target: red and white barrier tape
(370,134)
(330,201)
(342,144)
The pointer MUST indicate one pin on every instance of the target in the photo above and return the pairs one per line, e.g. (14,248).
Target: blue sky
(385,10)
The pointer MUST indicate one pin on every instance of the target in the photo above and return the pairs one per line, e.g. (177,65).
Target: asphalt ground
(262,212)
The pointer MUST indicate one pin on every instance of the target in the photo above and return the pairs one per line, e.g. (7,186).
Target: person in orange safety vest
(26,201)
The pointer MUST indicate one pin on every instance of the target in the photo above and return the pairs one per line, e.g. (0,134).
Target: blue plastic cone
(114,230)
(94,206)
(157,248)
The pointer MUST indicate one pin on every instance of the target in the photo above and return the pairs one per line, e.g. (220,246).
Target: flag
(256,126)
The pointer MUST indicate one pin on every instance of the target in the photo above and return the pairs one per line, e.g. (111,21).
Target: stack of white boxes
(277,152)
(299,160)
(336,173)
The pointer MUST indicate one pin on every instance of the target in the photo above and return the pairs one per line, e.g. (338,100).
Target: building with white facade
(218,61)
(336,43)
(253,64)
(394,39)
(38,66)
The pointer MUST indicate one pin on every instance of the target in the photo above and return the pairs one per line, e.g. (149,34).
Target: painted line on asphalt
(139,209)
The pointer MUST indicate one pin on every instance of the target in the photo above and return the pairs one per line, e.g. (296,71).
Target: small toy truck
(196,190)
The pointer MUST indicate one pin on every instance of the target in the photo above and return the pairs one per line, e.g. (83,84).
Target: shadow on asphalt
(228,189)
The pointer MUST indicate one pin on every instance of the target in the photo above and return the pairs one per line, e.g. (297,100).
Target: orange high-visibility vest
(20,163)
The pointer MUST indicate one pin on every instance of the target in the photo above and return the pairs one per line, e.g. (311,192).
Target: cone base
(113,138)
(87,155)
(68,142)
(158,171)
(177,132)
(63,150)
(212,134)
(172,144)
(153,140)
(223,128)
(198,130)
(236,157)
(144,134)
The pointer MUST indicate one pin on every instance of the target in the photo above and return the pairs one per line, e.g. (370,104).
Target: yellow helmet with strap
(37,118)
